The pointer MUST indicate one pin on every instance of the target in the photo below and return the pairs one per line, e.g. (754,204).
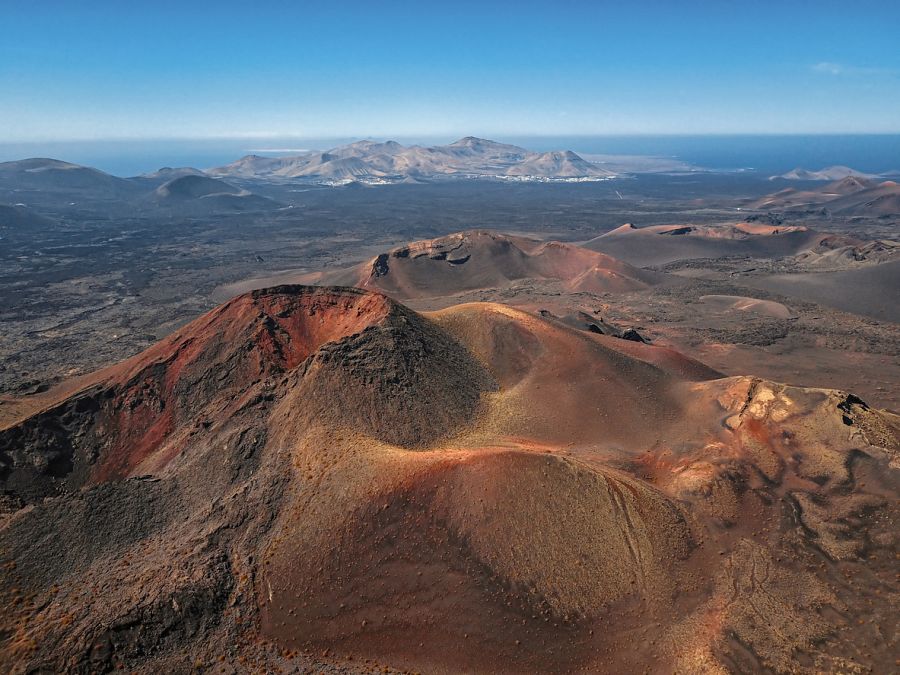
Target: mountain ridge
(828,173)
(848,196)
(473,260)
(389,160)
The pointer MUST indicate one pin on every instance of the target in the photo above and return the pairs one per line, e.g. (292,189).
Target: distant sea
(765,154)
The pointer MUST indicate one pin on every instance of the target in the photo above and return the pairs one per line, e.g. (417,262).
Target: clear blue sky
(161,69)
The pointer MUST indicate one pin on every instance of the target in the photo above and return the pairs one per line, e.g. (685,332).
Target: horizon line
(484,136)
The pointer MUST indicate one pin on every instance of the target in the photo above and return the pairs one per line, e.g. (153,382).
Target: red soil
(484,490)
(152,399)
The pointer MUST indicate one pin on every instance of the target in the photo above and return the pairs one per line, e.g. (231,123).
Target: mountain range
(185,191)
(370,160)
(661,244)
(829,173)
(40,175)
(192,192)
(850,196)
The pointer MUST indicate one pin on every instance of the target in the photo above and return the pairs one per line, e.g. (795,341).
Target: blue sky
(86,70)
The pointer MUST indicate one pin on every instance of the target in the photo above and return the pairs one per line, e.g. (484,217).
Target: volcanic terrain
(850,196)
(319,478)
(192,192)
(467,261)
(829,173)
(660,244)
(17,218)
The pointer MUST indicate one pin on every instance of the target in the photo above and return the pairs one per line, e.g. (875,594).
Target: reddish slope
(880,200)
(549,529)
(149,404)
(473,260)
(478,489)
(661,244)
(850,196)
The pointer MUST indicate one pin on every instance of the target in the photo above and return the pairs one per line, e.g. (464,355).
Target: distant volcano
(480,259)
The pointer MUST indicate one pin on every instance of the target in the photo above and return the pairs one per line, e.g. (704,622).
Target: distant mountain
(851,196)
(54,176)
(472,147)
(830,173)
(195,187)
(185,190)
(662,244)
(566,164)
(392,162)
(849,185)
(166,174)
(369,148)
(879,200)
(202,193)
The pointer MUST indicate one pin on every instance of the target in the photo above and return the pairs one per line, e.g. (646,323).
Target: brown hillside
(319,478)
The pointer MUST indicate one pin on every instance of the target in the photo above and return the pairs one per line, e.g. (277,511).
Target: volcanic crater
(321,478)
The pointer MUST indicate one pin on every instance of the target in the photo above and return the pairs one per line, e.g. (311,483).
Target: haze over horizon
(508,69)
